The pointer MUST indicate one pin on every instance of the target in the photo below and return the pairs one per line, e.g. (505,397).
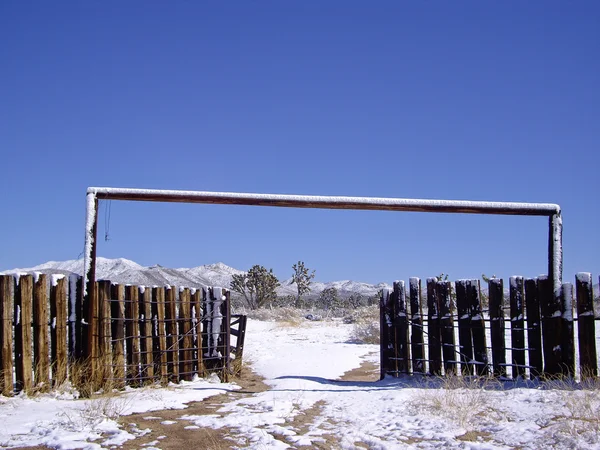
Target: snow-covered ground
(301,364)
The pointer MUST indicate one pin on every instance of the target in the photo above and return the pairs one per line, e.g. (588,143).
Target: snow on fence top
(327,202)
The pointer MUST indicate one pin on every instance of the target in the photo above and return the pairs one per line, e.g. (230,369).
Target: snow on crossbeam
(326,202)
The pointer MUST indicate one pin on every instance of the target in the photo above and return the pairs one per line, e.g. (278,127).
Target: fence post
(23,316)
(117,309)
(58,330)
(388,363)
(132,334)
(185,328)
(586,326)
(534,330)
(40,332)
(496,293)
(226,332)
(464,328)
(433,329)
(477,328)
(402,350)
(77,340)
(551,327)
(517,325)
(145,296)
(160,338)
(6,335)
(197,304)
(416,313)
(446,321)
(104,330)
(172,334)
(567,343)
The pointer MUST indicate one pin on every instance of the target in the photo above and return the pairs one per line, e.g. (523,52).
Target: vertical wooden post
(185,328)
(40,333)
(160,350)
(23,316)
(58,329)
(145,296)
(517,325)
(480,354)
(567,342)
(551,327)
(76,348)
(226,333)
(197,304)
(105,359)
(444,297)
(172,334)
(401,329)
(464,328)
(555,260)
(534,330)
(132,334)
(117,308)
(6,335)
(81,324)
(387,353)
(416,313)
(496,292)
(433,328)
(588,360)
(90,291)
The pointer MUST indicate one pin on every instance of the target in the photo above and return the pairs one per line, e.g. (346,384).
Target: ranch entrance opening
(439,328)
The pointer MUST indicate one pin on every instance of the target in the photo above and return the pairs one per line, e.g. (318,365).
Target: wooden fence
(158,334)
(528,334)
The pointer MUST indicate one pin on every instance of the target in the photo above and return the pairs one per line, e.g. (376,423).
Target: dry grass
(286,315)
(366,325)
(463,400)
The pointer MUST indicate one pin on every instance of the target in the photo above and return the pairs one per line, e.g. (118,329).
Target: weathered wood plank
(465,339)
(586,326)
(6,335)
(172,333)
(444,299)
(146,350)
(551,327)
(187,341)
(58,330)
(197,300)
(416,316)
(117,308)
(534,327)
(568,338)
(41,338)
(132,334)
(226,334)
(433,329)
(76,322)
(23,335)
(401,329)
(496,292)
(480,353)
(517,326)
(388,362)
(105,357)
(160,337)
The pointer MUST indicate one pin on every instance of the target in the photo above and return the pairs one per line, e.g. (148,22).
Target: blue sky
(454,100)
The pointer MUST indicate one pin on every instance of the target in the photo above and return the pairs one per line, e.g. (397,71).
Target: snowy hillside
(125,271)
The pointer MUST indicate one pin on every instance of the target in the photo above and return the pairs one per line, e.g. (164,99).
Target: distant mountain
(125,271)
